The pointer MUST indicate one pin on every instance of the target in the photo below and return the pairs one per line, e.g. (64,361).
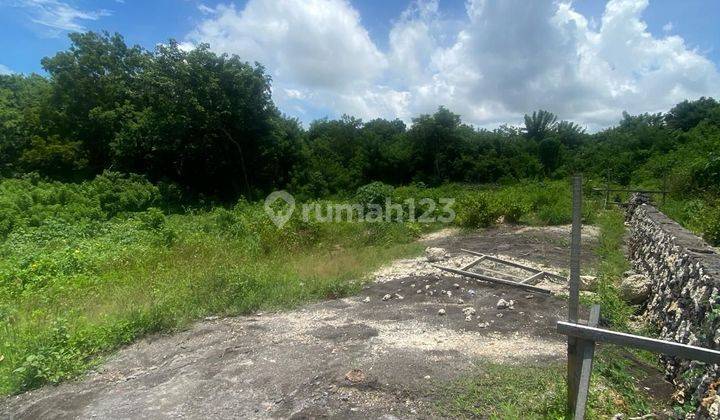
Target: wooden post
(573,371)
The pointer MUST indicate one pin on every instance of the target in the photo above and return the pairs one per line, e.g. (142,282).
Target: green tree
(688,114)
(539,124)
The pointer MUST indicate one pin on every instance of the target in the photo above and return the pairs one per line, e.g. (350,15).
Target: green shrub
(710,225)
(374,193)
(153,218)
(476,210)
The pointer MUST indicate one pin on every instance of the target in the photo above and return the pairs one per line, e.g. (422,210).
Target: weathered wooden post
(574,300)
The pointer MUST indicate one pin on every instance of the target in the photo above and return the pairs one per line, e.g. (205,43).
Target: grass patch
(499,391)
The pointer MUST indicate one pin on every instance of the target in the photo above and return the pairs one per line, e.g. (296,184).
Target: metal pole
(586,354)
(573,371)
(575,249)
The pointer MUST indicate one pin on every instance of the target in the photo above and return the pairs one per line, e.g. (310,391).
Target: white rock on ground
(441,312)
(435,254)
(635,288)
(504,304)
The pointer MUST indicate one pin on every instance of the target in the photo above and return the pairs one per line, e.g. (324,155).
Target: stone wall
(684,305)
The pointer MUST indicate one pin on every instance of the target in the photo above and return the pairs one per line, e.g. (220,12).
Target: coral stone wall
(684,304)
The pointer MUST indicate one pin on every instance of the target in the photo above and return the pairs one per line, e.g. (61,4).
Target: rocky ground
(382,353)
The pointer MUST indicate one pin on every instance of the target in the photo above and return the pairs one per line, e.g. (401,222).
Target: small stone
(471,292)
(355,376)
(468,318)
(399,297)
(412,285)
(419,291)
(635,289)
(455,285)
(502,304)
(387,297)
(469,310)
(529,296)
(427,286)
(435,254)
(484,324)
(367,299)
(449,293)
(629,273)
(460,301)
(499,315)
(441,311)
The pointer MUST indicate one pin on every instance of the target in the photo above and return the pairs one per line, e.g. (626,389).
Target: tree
(96,84)
(436,141)
(569,133)
(549,154)
(688,114)
(539,124)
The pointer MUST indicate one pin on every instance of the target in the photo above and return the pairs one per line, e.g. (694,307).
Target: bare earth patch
(353,358)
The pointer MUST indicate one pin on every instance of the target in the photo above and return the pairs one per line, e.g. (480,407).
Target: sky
(491,61)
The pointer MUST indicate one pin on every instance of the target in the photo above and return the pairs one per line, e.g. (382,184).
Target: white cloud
(312,43)
(55,16)
(5,69)
(503,60)
(667,27)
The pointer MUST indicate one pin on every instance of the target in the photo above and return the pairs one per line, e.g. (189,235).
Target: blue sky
(398,58)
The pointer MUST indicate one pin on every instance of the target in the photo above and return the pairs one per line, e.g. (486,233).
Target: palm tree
(539,124)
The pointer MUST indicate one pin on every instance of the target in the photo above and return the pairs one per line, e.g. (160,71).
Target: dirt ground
(358,357)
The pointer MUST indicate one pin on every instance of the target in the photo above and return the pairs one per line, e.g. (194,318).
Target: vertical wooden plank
(573,367)
(587,351)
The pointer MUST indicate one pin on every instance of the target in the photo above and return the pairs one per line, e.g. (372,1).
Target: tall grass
(83,271)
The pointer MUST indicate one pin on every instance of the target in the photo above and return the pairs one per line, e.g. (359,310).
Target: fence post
(573,371)
(586,352)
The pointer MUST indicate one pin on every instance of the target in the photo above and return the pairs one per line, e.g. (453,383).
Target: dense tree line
(207,123)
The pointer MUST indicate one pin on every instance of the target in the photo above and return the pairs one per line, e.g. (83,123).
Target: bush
(710,225)
(476,210)
(374,193)
(152,219)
